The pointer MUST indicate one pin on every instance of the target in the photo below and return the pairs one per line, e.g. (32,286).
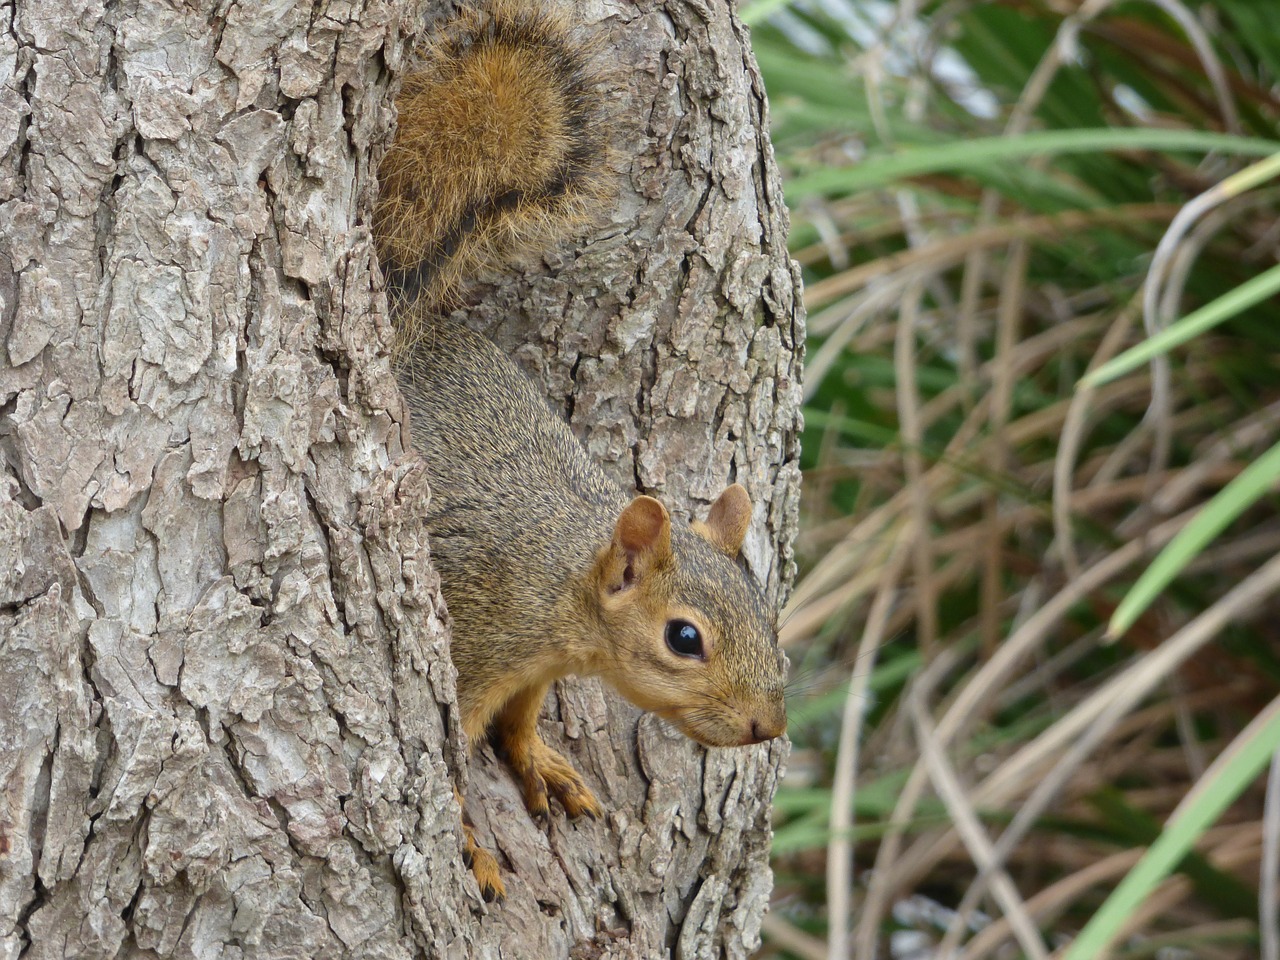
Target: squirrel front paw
(542,772)
(483,864)
(484,867)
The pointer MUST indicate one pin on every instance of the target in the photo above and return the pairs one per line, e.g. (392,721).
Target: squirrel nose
(766,730)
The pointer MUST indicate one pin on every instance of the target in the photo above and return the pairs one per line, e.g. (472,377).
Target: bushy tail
(500,149)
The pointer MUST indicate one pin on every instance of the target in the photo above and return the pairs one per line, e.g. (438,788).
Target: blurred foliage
(990,200)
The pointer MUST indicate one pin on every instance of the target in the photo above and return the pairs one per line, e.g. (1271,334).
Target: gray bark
(225,694)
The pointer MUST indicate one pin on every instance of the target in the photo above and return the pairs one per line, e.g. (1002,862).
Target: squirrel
(548,568)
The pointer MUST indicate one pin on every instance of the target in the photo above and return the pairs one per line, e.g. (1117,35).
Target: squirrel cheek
(653,691)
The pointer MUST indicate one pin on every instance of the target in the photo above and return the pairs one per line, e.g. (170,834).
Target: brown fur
(549,569)
(499,149)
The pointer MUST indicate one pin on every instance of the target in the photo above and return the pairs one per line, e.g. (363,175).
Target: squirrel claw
(539,809)
(536,802)
(484,867)
(543,773)
(482,864)
(566,785)
(491,886)
(581,802)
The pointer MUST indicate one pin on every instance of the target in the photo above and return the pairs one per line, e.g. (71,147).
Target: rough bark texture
(225,724)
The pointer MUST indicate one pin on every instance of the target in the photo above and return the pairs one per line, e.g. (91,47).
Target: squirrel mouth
(712,734)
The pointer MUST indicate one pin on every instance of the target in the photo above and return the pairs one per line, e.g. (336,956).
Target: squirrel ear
(643,536)
(727,521)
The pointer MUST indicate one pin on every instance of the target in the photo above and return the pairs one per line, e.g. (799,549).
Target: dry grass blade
(990,864)
(792,939)
(1269,888)
(840,849)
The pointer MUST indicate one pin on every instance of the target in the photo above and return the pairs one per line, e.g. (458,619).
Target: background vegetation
(1037,631)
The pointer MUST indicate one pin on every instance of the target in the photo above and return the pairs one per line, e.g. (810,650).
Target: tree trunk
(227,723)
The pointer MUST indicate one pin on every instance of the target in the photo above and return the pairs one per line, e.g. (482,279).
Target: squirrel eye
(684,639)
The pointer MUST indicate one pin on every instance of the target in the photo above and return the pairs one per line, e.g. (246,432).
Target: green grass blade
(1251,292)
(1231,501)
(759,10)
(1238,766)
(1220,888)
(879,170)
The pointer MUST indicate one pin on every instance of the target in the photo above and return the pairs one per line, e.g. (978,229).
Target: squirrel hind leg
(541,771)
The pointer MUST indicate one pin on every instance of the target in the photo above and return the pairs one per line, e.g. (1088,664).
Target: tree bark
(227,721)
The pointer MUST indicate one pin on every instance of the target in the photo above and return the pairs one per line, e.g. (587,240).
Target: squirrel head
(690,636)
